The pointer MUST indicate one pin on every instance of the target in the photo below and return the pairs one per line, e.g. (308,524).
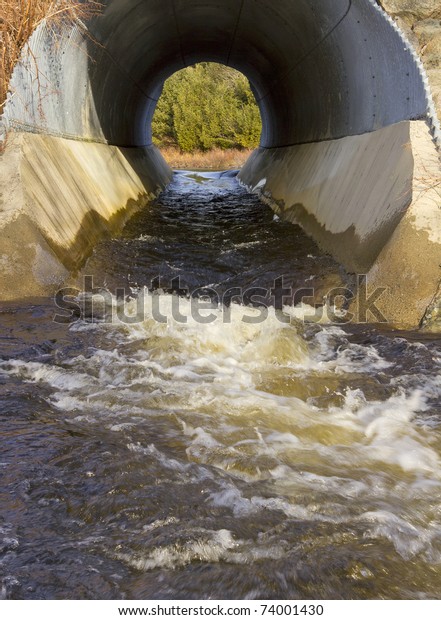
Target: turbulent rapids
(230,458)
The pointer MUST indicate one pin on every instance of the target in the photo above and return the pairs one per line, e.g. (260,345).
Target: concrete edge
(396,242)
(58,198)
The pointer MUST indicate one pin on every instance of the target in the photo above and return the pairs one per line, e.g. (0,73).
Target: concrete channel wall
(346,112)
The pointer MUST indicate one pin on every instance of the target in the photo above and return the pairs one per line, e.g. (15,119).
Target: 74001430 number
(292,610)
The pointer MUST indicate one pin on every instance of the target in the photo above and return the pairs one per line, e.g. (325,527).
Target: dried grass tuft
(19,19)
(216,159)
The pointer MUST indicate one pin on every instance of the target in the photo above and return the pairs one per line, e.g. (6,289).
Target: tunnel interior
(319,69)
(346,114)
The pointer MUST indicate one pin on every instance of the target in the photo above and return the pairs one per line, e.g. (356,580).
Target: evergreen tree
(206,106)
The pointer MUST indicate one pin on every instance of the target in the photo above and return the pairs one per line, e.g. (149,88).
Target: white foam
(213,547)
(353,460)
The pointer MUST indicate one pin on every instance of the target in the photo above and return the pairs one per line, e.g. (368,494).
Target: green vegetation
(207,106)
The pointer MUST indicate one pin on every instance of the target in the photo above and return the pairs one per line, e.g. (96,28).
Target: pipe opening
(343,103)
(206,114)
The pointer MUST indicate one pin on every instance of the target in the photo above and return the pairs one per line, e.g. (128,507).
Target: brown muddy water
(250,455)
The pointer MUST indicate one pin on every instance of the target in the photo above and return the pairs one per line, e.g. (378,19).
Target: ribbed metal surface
(322,69)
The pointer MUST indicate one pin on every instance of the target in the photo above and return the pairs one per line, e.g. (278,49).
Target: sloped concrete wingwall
(341,95)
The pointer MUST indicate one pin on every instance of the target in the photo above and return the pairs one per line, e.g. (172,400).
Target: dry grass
(216,159)
(19,19)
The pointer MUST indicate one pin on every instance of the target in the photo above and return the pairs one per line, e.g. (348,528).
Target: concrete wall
(58,198)
(369,178)
(388,224)
(337,85)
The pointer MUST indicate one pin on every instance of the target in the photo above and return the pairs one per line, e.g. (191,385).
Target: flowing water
(249,455)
